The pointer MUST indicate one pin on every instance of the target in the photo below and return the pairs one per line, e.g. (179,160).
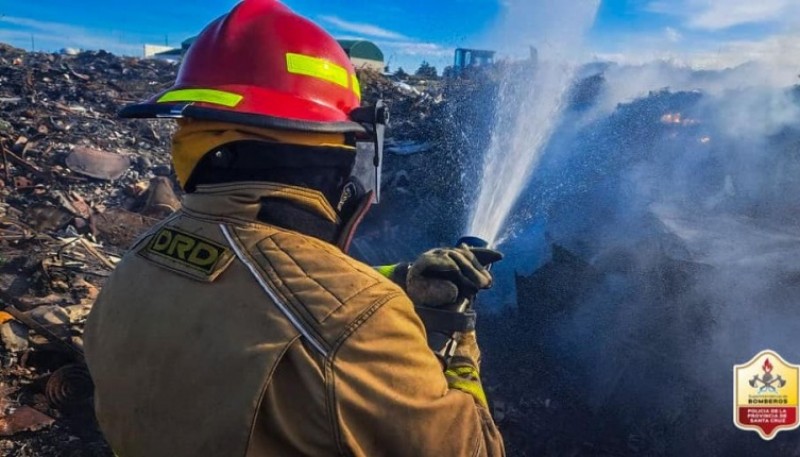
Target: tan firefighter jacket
(219,335)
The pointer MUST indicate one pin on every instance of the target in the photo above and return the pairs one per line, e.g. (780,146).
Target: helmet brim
(150,110)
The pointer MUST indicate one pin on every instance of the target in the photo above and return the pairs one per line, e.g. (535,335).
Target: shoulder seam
(362,318)
(284,251)
(353,268)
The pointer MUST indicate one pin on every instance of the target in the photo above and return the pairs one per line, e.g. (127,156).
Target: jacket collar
(299,209)
(243,201)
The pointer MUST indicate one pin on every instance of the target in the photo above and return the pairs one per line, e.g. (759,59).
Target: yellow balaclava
(195,138)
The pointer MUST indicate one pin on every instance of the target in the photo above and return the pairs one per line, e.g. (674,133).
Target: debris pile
(77,186)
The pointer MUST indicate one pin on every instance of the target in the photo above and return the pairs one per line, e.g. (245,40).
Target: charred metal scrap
(76,187)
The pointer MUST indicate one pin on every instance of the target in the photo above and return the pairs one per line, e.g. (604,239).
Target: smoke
(678,187)
(626,83)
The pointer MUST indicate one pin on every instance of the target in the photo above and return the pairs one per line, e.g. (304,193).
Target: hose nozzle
(473,242)
(480,247)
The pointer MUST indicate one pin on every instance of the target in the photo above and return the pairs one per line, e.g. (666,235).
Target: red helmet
(263,65)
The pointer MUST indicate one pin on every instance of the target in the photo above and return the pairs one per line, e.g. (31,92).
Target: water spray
(530,101)
(535,98)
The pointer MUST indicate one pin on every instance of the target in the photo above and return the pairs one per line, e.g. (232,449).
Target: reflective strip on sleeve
(465,371)
(386,271)
(466,380)
(356,86)
(317,68)
(213,96)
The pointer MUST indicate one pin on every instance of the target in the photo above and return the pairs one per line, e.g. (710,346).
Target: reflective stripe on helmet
(213,96)
(325,70)
(356,86)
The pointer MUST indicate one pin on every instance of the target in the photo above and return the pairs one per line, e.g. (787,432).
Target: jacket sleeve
(392,398)
(396,273)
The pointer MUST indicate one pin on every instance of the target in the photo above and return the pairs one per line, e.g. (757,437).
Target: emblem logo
(188,249)
(765,395)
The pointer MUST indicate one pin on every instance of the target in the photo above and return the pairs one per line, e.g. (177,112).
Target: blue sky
(703,32)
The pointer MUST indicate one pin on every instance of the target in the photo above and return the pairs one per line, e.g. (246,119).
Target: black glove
(442,277)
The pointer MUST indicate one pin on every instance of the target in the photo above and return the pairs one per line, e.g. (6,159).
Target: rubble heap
(76,187)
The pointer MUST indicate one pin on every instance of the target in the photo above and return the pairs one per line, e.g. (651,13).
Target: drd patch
(188,250)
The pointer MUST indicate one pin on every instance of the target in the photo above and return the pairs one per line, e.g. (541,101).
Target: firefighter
(239,326)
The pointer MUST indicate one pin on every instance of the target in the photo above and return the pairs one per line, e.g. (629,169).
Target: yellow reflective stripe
(386,271)
(216,97)
(356,85)
(317,68)
(466,379)
(464,371)
(473,388)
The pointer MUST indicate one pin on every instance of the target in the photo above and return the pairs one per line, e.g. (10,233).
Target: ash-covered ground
(654,247)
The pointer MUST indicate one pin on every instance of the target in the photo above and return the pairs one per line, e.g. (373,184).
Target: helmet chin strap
(369,146)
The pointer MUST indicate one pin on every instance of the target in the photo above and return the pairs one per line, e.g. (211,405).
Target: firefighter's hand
(442,277)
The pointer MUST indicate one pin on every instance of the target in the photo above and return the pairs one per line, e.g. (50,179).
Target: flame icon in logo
(768,382)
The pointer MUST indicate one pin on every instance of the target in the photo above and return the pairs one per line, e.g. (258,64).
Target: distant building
(364,54)
(472,58)
(168,53)
(152,49)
